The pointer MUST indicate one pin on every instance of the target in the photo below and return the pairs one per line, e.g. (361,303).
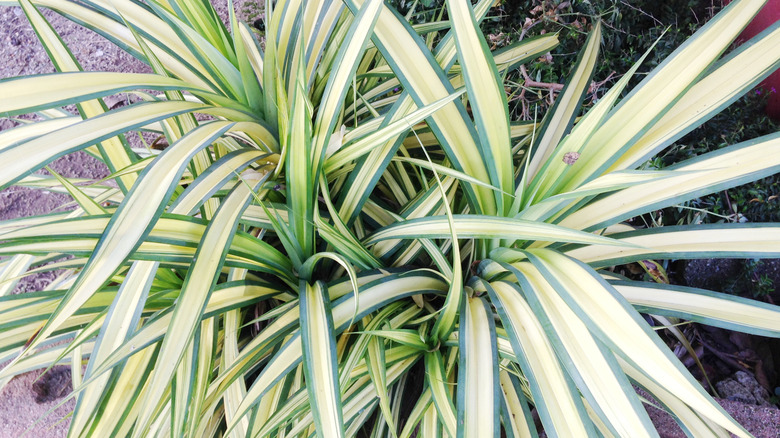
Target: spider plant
(347,236)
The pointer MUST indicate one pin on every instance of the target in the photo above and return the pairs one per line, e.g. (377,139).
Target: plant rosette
(352,207)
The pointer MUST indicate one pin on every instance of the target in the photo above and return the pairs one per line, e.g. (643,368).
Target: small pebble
(571,157)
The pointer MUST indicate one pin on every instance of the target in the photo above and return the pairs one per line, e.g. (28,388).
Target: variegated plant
(355,240)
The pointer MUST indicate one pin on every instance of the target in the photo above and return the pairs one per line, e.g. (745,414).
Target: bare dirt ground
(27,399)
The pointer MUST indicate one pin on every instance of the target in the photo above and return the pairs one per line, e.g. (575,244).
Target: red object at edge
(767,16)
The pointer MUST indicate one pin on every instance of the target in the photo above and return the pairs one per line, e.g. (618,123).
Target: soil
(26,399)
(762,422)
